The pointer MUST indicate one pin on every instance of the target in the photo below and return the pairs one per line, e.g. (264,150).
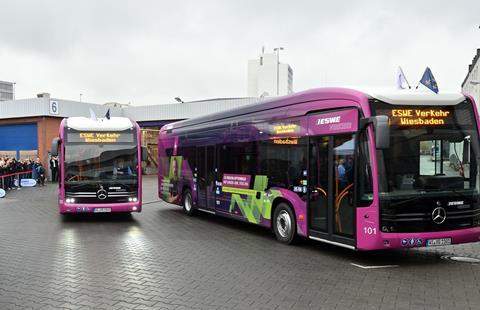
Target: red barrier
(16,173)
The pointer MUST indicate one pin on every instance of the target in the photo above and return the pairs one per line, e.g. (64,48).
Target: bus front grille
(395,221)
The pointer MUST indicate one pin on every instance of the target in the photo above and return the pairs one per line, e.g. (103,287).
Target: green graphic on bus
(257,204)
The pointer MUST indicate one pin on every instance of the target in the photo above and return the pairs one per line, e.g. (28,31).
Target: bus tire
(284,224)
(187,202)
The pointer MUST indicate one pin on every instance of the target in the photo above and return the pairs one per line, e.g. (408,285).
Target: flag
(92,115)
(429,81)
(402,82)
(107,115)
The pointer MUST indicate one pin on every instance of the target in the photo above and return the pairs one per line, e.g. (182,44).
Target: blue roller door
(18,137)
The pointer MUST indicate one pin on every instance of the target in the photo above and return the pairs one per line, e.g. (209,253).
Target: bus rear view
(100,165)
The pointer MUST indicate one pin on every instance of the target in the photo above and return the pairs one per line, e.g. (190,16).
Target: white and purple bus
(337,165)
(100,165)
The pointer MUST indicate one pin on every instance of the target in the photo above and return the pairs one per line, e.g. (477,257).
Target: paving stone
(163,259)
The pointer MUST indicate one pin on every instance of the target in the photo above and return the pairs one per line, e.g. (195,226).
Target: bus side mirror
(381,129)
(144,153)
(55,146)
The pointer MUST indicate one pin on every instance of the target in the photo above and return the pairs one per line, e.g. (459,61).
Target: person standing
(10,171)
(57,174)
(40,174)
(341,174)
(19,170)
(54,168)
(35,170)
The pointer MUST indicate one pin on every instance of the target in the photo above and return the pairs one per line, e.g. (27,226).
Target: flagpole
(405,77)
(409,87)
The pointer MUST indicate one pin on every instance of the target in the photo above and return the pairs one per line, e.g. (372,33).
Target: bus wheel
(284,224)
(188,202)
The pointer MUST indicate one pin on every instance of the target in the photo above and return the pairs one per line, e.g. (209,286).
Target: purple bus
(337,165)
(100,165)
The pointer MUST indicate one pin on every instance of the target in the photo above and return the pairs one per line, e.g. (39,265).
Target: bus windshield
(432,149)
(86,163)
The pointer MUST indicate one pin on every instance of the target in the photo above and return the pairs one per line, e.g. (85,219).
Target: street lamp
(277,50)
(179,100)
(81,97)
(263,95)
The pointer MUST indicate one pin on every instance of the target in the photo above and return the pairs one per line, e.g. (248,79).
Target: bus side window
(238,158)
(188,161)
(343,152)
(284,164)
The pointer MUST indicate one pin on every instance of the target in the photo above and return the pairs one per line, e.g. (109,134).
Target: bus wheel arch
(283,221)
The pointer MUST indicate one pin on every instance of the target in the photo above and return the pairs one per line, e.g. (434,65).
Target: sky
(148,52)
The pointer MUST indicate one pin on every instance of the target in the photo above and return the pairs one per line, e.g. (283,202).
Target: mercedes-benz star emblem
(101,193)
(439,215)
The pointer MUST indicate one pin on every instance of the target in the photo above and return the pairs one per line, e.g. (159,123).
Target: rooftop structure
(7,90)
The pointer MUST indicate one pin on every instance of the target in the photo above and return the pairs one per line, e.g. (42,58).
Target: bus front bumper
(429,239)
(100,208)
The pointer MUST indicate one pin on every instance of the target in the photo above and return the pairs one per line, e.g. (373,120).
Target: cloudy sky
(148,52)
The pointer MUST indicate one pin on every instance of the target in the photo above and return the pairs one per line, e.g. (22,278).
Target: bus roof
(101,124)
(403,97)
(415,97)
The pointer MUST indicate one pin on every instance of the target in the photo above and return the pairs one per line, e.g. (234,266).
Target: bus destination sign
(419,117)
(99,137)
(285,128)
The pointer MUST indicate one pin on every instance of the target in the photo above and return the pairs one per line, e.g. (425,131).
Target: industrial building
(471,83)
(27,126)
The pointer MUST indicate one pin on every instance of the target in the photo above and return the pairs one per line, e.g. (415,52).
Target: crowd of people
(12,171)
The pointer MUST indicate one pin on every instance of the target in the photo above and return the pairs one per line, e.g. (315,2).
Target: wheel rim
(188,203)
(284,224)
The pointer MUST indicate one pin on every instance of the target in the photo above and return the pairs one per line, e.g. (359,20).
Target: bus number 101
(370,230)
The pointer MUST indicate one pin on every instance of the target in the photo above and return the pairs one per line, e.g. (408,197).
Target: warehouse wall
(47,129)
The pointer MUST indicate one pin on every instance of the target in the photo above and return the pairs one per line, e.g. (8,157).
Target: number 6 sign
(54,107)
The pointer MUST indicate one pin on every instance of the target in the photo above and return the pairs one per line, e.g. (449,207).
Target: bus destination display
(419,117)
(100,137)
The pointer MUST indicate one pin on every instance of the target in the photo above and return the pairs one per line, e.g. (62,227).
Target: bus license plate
(102,210)
(437,242)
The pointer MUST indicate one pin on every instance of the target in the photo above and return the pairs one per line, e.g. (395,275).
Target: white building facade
(471,84)
(267,77)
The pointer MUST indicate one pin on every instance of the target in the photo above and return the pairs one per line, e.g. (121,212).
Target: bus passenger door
(206,177)
(331,176)
(343,176)
(201,178)
(210,177)
(318,183)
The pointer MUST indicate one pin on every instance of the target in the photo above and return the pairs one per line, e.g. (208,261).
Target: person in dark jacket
(54,168)
(34,169)
(40,173)
(18,168)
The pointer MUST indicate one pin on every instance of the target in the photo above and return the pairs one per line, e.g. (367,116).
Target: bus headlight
(70,200)
(132,199)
